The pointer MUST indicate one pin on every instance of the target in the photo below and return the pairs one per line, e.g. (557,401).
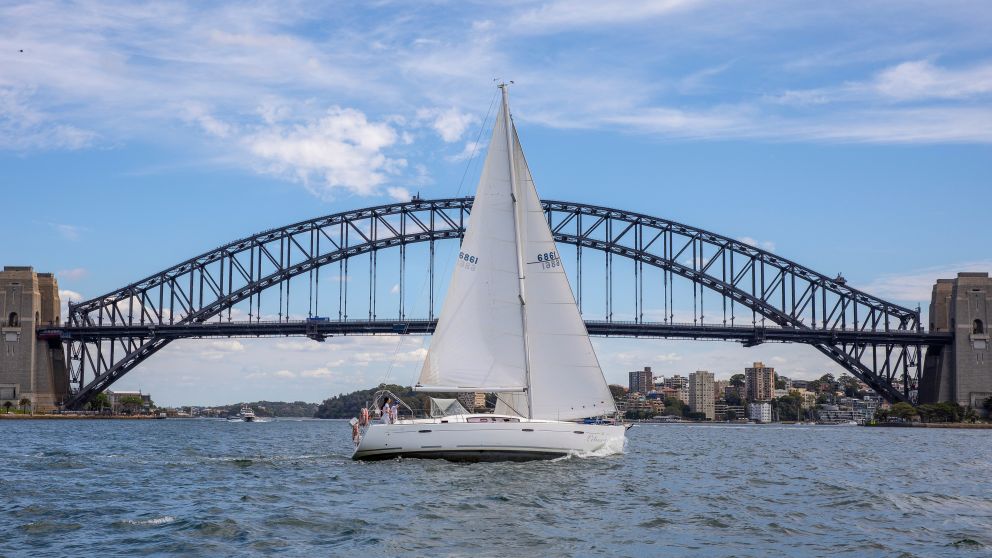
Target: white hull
(466,438)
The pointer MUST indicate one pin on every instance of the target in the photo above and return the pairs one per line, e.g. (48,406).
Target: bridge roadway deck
(749,335)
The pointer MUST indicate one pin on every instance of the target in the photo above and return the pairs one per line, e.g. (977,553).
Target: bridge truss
(736,292)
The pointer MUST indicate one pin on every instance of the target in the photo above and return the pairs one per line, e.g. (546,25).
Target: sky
(854,137)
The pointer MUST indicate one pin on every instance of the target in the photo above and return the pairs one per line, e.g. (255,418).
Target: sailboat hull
(468,438)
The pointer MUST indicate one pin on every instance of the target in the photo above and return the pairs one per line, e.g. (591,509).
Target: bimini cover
(446,407)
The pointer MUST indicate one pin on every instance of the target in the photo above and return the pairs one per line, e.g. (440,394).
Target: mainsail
(498,329)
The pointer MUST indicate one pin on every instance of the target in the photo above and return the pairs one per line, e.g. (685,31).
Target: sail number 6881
(549,260)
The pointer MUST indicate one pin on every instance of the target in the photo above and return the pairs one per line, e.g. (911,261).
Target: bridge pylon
(962,370)
(31,368)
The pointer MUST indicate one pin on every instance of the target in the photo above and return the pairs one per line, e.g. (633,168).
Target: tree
(7,405)
(970,415)
(903,410)
(734,399)
(788,407)
(99,402)
(24,403)
(675,407)
(779,384)
(618,392)
(827,383)
(737,380)
(131,403)
(881,415)
(949,411)
(731,415)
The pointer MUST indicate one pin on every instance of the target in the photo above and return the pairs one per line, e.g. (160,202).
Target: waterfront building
(681,386)
(116,397)
(720,389)
(652,406)
(738,391)
(786,381)
(472,400)
(760,382)
(721,411)
(809,398)
(860,411)
(759,412)
(641,381)
(799,384)
(701,393)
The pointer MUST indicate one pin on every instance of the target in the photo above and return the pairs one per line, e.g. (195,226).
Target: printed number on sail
(467,260)
(548,260)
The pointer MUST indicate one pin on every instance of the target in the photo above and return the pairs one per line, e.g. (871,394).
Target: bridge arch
(201,288)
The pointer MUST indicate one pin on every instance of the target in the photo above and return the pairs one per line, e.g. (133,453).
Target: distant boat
(245,415)
(510,326)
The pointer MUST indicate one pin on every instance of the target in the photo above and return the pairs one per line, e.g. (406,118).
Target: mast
(517,207)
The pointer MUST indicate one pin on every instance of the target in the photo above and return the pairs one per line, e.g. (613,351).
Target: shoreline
(12,416)
(962,425)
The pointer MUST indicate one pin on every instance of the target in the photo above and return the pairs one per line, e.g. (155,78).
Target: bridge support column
(961,371)
(30,368)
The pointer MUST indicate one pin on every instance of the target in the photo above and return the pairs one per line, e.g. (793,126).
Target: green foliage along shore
(348,405)
(276,408)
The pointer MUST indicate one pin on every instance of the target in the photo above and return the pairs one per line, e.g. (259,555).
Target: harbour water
(210,487)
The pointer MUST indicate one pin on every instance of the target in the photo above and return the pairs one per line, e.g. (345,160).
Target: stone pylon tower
(30,367)
(961,371)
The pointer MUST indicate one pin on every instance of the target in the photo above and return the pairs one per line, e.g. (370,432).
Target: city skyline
(124,153)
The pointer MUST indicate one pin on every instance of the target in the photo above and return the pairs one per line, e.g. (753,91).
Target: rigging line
(475,148)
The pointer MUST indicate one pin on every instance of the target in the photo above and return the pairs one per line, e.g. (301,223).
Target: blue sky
(852,137)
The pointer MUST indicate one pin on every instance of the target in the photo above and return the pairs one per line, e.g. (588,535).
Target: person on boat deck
(387,414)
(394,412)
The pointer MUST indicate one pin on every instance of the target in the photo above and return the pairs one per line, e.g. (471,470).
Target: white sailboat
(509,325)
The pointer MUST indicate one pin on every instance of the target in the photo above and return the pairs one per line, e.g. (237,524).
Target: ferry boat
(509,325)
(245,415)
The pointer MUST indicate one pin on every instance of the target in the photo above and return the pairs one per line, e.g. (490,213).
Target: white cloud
(917,285)
(322,372)
(25,128)
(301,346)
(469,151)
(220,348)
(339,150)
(395,289)
(921,79)
(284,374)
(566,14)
(668,357)
(66,294)
(765,245)
(449,123)
(197,113)
(398,193)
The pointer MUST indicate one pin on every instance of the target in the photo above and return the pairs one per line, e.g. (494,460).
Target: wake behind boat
(509,325)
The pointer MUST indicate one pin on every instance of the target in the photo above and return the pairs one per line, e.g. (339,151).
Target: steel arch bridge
(757,296)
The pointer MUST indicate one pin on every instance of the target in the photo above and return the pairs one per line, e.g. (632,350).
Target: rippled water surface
(204,487)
